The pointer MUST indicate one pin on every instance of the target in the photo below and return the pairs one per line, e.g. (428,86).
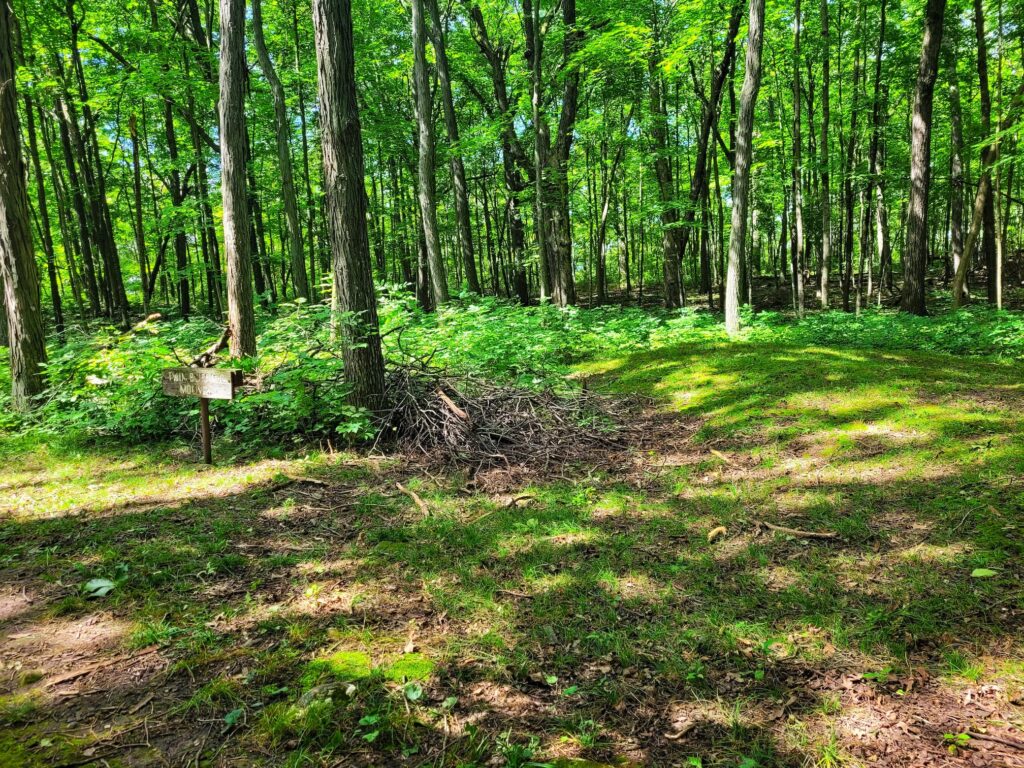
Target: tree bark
(826,195)
(426,183)
(988,239)
(798,192)
(741,174)
(671,236)
(346,202)
(44,218)
(284,155)
(463,229)
(241,320)
(18,274)
(956,174)
(915,258)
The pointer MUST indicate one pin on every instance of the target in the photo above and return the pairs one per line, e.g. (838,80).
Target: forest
(538,384)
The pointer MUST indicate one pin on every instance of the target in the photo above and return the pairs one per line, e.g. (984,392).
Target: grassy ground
(303,611)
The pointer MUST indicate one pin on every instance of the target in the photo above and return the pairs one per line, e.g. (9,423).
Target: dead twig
(997,740)
(89,669)
(514,501)
(416,499)
(205,358)
(796,532)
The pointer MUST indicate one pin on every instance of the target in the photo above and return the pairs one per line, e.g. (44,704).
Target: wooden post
(206,384)
(204,428)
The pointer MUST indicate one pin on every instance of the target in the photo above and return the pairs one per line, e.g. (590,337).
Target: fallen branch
(205,359)
(83,671)
(416,499)
(452,406)
(514,501)
(997,740)
(798,533)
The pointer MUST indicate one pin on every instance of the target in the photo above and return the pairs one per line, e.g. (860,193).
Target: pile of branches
(478,425)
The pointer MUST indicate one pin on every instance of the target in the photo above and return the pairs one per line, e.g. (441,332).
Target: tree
(915,258)
(826,199)
(343,170)
(18,273)
(284,155)
(241,322)
(426,185)
(741,173)
(458,168)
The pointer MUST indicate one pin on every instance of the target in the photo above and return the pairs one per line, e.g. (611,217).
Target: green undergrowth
(106,383)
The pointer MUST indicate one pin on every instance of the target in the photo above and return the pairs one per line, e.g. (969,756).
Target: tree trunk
(826,195)
(988,238)
(671,236)
(241,321)
(798,194)
(915,258)
(956,174)
(346,202)
(284,156)
(426,183)
(741,174)
(44,218)
(463,228)
(18,275)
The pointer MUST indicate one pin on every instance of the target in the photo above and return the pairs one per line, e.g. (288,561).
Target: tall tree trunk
(346,202)
(671,235)
(741,174)
(533,52)
(426,183)
(284,155)
(826,195)
(988,238)
(708,122)
(463,229)
(956,174)
(798,193)
(241,320)
(18,275)
(306,175)
(95,180)
(915,257)
(849,194)
(44,218)
(875,181)
(989,156)
(139,226)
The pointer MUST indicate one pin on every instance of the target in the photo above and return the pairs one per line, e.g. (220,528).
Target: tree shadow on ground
(328,621)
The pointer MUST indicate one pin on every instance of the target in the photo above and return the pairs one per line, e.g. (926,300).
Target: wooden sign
(206,384)
(210,383)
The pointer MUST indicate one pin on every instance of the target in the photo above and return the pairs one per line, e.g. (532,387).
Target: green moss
(411,666)
(342,665)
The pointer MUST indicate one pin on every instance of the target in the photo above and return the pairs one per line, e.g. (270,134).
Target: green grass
(338,624)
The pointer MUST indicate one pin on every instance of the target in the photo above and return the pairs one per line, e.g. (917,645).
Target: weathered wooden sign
(209,383)
(206,384)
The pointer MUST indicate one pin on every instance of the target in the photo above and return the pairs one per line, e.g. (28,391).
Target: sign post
(206,384)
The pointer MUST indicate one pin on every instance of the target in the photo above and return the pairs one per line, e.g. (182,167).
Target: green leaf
(413,691)
(231,718)
(97,587)
(983,573)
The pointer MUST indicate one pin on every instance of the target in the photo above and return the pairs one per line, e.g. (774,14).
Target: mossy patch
(341,665)
(411,666)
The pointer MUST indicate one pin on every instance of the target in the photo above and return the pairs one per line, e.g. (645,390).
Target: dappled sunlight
(592,610)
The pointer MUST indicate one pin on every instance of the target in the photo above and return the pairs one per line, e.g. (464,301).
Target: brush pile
(478,425)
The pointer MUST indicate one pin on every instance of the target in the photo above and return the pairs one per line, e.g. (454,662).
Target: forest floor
(641,611)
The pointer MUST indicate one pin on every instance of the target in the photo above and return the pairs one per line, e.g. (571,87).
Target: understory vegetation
(103,383)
